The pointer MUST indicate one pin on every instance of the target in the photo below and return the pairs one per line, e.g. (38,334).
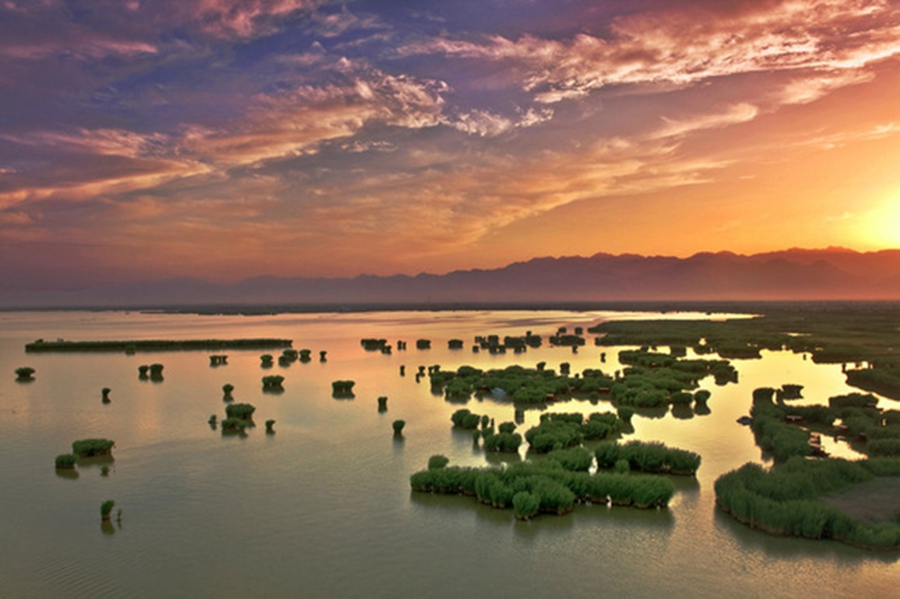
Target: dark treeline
(154,345)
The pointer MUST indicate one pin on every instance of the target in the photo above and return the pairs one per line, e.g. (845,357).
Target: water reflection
(682,412)
(69,473)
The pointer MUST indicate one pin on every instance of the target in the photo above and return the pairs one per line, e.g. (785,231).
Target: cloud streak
(424,137)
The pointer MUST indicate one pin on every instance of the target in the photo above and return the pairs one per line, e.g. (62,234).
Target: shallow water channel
(323,508)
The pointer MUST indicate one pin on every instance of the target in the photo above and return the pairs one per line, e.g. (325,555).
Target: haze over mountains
(796,274)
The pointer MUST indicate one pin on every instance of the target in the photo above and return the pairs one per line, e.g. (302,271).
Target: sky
(224,139)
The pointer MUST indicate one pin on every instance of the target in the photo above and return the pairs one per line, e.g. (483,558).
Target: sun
(880,227)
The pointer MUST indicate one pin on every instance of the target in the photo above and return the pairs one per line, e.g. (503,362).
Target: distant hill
(796,274)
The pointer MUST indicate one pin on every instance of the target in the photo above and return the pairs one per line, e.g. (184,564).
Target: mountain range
(795,274)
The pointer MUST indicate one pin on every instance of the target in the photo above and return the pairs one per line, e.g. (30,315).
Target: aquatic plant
(507,427)
(652,457)
(625,413)
(218,359)
(130,346)
(269,424)
(240,410)
(227,388)
(234,425)
(575,459)
(525,505)
(106,509)
(438,461)
(398,426)
(156,372)
(508,442)
(86,448)
(143,371)
(785,500)
(66,460)
(374,344)
(554,488)
(322,354)
(104,394)
(464,418)
(25,373)
(382,403)
(342,388)
(423,343)
(272,383)
(266,360)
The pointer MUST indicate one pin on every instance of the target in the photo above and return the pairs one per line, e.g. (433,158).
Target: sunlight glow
(881,226)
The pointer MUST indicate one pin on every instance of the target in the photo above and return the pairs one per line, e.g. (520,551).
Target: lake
(323,507)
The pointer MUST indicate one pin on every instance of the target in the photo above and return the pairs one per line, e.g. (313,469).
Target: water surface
(323,507)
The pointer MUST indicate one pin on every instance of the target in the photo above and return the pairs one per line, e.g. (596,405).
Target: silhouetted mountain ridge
(794,274)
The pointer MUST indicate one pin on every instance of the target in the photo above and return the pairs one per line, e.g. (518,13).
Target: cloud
(739,113)
(673,47)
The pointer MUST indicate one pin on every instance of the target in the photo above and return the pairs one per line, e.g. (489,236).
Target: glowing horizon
(224,139)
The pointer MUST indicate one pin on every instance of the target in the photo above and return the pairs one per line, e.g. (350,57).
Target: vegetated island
(545,486)
(62,345)
(854,502)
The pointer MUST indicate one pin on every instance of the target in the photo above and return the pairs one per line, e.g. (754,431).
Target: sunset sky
(225,139)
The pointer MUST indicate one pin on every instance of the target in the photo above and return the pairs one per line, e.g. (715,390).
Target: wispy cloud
(686,48)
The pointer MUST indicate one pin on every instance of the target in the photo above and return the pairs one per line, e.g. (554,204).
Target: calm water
(323,507)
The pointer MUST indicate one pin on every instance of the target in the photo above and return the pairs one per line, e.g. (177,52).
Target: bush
(437,462)
(106,508)
(504,442)
(244,411)
(575,459)
(269,425)
(525,505)
(86,448)
(382,403)
(25,373)
(273,383)
(465,419)
(647,457)
(342,388)
(66,460)
(784,500)
(507,427)
(234,425)
(398,426)
(156,371)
